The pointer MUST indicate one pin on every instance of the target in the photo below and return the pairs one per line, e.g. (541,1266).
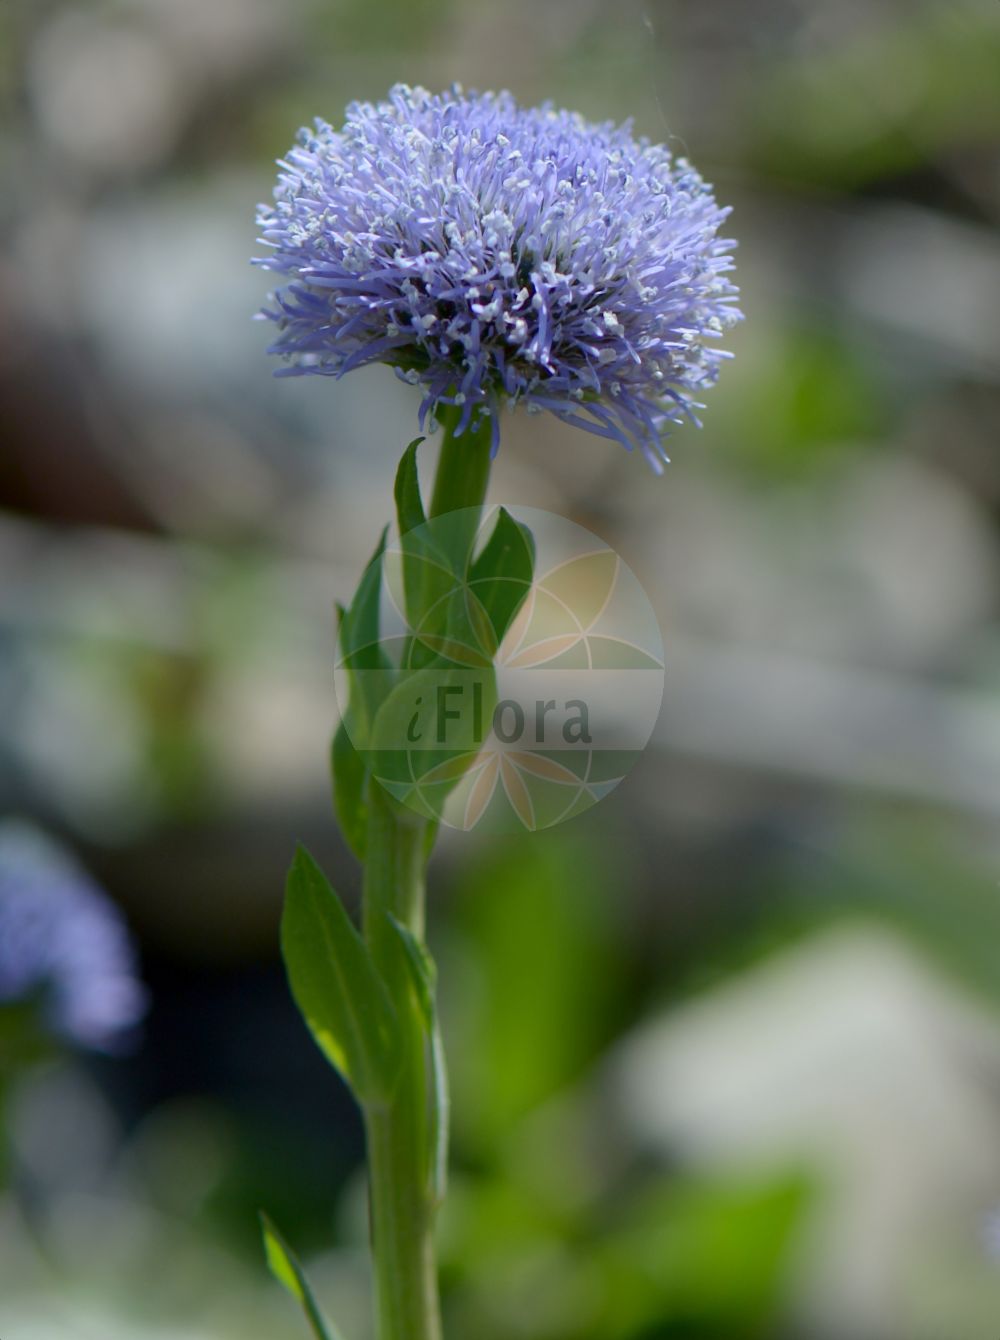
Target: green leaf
(441,1114)
(422,972)
(421,969)
(430,837)
(409,505)
(285,1267)
(428,732)
(350,778)
(535,1041)
(434,555)
(714,1250)
(501,574)
(359,645)
(336,986)
(419,561)
(360,621)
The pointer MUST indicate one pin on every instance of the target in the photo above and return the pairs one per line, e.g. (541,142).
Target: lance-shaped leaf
(441,1115)
(422,972)
(336,985)
(433,556)
(414,535)
(501,574)
(360,648)
(429,731)
(350,780)
(409,505)
(285,1267)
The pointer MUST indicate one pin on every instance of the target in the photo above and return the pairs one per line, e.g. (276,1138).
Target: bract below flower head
(492,253)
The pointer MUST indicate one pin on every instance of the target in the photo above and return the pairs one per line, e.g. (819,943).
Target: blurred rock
(848,1056)
(106,94)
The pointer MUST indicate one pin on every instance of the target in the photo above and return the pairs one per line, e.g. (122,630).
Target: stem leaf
(440,1117)
(286,1269)
(409,504)
(501,574)
(421,969)
(336,986)
(429,731)
(359,645)
(422,972)
(350,778)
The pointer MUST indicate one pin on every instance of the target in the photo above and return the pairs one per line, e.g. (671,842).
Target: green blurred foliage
(697,1258)
(810,395)
(881,103)
(393,27)
(551,1231)
(536,997)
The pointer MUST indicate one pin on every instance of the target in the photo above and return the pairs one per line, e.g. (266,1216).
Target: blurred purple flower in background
(495,253)
(62,938)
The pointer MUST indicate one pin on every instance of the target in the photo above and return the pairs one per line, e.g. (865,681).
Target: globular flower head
(493,253)
(62,940)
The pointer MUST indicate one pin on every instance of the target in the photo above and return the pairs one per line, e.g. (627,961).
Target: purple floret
(493,253)
(62,939)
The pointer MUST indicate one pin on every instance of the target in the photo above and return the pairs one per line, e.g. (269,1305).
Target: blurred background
(725,1053)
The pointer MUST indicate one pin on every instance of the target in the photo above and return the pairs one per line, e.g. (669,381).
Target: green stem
(463,467)
(403,1202)
(402,1206)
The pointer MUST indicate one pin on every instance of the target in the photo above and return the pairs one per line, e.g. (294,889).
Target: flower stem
(463,467)
(402,1207)
(402,1195)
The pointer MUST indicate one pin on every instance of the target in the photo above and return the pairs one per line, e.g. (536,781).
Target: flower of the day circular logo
(505,671)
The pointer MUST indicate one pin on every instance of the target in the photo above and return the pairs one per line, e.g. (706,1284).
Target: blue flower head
(492,253)
(61,938)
